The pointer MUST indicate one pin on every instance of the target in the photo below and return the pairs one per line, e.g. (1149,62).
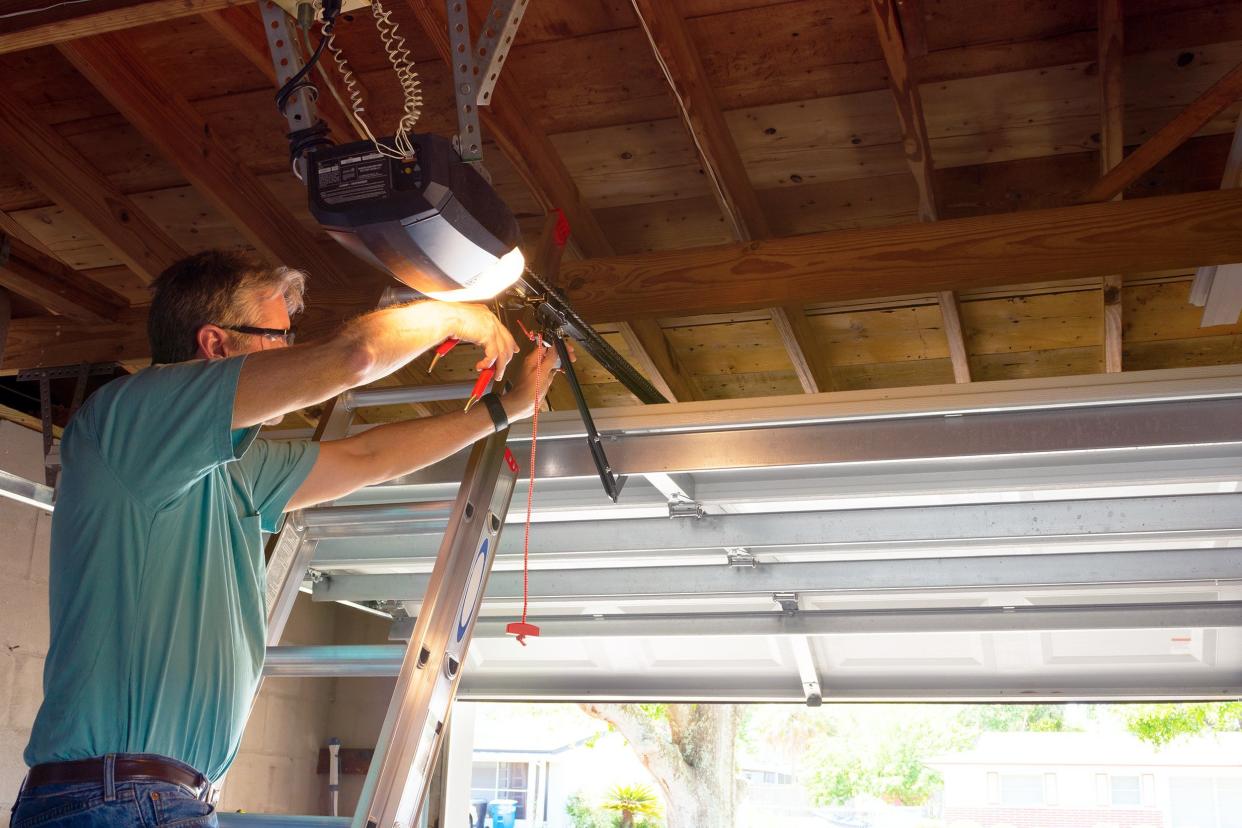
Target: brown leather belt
(127,769)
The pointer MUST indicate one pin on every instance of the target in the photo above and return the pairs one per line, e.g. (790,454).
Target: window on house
(1019,790)
(1125,791)
(500,780)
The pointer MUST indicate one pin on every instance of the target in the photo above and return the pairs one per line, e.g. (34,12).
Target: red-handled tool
(485,376)
(480,386)
(444,347)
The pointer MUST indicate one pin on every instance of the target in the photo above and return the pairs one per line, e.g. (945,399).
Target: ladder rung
(436,511)
(407,394)
(326,661)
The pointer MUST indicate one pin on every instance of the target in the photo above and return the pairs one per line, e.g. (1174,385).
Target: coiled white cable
(403,66)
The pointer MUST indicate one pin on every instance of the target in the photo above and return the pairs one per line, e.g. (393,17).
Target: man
(157,568)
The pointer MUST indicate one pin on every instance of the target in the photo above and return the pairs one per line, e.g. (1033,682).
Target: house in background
(1093,780)
(541,755)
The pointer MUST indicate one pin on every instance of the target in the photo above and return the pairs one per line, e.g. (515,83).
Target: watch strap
(496,409)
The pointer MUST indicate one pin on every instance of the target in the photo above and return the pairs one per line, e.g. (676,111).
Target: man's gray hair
(220,287)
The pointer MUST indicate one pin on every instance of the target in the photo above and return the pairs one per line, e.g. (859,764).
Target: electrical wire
(7,15)
(326,77)
(403,66)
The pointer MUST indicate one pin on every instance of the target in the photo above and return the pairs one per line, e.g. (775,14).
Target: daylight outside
(854,765)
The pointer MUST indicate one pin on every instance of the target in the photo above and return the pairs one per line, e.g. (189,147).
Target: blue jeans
(112,804)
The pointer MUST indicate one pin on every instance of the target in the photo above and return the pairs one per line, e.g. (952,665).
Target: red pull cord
(521,628)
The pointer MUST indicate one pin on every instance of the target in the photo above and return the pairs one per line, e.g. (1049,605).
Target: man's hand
(394,449)
(536,374)
(477,324)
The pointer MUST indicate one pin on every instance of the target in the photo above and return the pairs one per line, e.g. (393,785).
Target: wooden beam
(955,335)
(670,40)
(1088,240)
(700,112)
(6,316)
(913,27)
(29,272)
(890,25)
(55,167)
(55,340)
(523,141)
(814,372)
(1112,149)
(92,20)
(244,31)
(904,87)
(124,76)
(653,356)
(1187,122)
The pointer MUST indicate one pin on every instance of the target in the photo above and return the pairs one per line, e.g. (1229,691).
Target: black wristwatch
(497,410)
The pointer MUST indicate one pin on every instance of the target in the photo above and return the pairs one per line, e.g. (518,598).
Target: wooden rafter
(812,367)
(1190,120)
(700,112)
(913,27)
(1112,149)
(56,340)
(55,167)
(32,273)
(112,17)
(654,357)
(666,31)
(1083,241)
(891,22)
(124,76)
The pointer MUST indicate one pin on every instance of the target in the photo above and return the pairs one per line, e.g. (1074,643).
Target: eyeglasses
(270,334)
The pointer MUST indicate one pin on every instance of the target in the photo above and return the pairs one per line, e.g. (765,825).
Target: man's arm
(394,449)
(372,346)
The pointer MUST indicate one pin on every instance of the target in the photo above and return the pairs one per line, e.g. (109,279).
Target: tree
(1159,724)
(631,801)
(688,748)
(880,750)
(1014,718)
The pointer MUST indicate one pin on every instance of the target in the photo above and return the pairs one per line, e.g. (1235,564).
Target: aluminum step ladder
(410,739)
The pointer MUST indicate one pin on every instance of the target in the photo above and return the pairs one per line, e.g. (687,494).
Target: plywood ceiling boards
(999,118)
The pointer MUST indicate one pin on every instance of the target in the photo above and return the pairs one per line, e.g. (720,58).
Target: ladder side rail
(413,729)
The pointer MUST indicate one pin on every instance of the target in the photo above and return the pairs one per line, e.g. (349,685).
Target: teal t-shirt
(157,572)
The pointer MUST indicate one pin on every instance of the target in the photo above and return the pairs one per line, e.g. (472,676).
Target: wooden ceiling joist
(124,76)
(891,22)
(655,358)
(700,112)
(1190,120)
(49,340)
(32,273)
(60,171)
(670,40)
(108,16)
(1087,240)
(1112,149)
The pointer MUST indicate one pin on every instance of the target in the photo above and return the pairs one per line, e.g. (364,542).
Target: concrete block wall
(359,704)
(275,768)
(24,545)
